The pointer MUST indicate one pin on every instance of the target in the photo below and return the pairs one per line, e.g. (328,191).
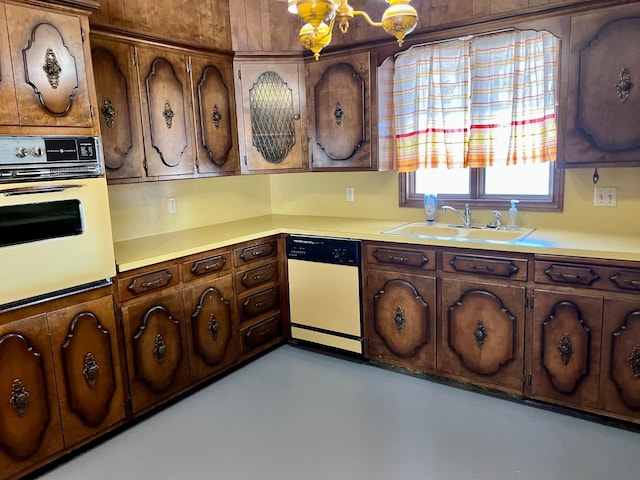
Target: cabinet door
(118,108)
(8,105)
(87,363)
(216,127)
(402,310)
(271,117)
(29,419)
(603,98)
(156,346)
(482,333)
(566,339)
(620,377)
(213,328)
(167,113)
(49,68)
(339,100)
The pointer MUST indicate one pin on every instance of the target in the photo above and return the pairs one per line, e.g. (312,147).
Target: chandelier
(399,19)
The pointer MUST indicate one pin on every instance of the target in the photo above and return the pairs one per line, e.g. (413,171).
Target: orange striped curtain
(477,102)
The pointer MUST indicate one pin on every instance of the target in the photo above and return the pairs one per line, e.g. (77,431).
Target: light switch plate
(605,196)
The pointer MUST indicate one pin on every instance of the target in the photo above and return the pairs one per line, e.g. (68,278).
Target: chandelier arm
(367,18)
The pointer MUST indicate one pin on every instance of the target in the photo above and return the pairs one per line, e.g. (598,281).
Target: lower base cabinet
(156,346)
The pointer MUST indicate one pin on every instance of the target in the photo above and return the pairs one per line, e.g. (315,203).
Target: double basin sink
(474,233)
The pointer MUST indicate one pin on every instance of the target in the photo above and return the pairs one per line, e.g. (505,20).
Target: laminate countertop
(144,251)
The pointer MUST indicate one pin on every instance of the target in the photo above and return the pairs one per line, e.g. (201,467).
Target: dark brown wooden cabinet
(603,97)
(167,118)
(30,425)
(340,113)
(45,81)
(566,340)
(114,65)
(620,372)
(271,109)
(400,306)
(212,332)
(156,346)
(86,358)
(216,123)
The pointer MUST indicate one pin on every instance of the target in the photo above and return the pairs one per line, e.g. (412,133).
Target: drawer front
(418,259)
(257,303)
(260,333)
(131,287)
(257,276)
(253,253)
(200,267)
(511,268)
(588,275)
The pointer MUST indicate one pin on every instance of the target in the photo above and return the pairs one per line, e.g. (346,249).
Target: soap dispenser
(513,214)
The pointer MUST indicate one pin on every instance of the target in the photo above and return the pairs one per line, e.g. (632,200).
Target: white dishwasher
(324,292)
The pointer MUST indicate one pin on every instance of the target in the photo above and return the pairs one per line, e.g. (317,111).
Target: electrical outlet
(172,206)
(605,196)
(350,194)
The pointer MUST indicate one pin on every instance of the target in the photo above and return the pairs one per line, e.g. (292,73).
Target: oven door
(55,237)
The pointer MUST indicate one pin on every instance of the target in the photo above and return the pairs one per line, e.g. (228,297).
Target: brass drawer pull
(399,259)
(482,268)
(259,276)
(152,283)
(149,282)
(627,280)
(577,275)
(262,303)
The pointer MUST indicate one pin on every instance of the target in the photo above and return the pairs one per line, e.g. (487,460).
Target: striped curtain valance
(476,101)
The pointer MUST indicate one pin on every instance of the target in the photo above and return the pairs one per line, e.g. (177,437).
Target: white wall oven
(55,228)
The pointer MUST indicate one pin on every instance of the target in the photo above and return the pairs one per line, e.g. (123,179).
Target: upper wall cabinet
(271,117)
(147,113)
(118,107)
(603,98)
(339,99)
(216,124)
(43,81)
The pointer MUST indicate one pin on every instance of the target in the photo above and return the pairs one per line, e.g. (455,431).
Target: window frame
(554,202)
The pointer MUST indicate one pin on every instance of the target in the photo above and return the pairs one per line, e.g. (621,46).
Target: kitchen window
(473,119)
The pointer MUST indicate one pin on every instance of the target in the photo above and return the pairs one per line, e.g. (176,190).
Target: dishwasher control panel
(324,250)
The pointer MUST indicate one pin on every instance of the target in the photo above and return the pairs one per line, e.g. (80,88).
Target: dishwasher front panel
(324,295)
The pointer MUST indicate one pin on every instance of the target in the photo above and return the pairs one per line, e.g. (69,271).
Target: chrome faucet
(466,217)
(498,216)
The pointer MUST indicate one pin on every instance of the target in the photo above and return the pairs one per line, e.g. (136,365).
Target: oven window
(33,222)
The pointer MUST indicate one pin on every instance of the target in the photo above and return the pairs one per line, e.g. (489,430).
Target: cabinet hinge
(82,34)
(91,111)
(239,74)
(245,160)
(529,379)
(528,301)
(189,65)
(134,58)
(128,404)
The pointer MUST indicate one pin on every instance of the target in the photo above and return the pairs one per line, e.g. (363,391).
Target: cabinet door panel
(156,349)
(118,108)
(482,335)
(8,106)
(167,118)
(49,68)
(29,420)
(213,327)
(215,117)
(566,347)
(86,358)
(620,377)
(339,102)
(403,319)
(272,117)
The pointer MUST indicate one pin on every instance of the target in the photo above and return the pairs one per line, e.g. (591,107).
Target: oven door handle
(31,190)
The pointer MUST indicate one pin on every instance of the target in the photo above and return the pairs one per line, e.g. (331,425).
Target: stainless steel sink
(440,231)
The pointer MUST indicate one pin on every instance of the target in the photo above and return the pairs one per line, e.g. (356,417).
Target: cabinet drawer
(133,286)
(256,276)
(260,333)
(614,278)
(213,262)
(417,258)
(252,253)
(260,302)
(512,268)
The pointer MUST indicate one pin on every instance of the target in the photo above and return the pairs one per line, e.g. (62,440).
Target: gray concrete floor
(300,415)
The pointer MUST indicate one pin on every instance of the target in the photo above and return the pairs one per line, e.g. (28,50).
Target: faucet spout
(464,217)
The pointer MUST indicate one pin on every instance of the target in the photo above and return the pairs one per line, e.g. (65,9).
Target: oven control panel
(40,158)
